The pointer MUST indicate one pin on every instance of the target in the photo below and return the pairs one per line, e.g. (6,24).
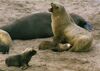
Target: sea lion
(44,45)
(38,25)
(5,42)
(80,21)
(47,45)
(33,26)
(64,27)
(21,60)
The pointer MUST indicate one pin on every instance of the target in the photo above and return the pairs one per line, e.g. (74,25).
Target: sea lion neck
(64,18)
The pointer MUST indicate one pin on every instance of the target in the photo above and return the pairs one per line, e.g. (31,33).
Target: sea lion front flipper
(62,47)
(25,66)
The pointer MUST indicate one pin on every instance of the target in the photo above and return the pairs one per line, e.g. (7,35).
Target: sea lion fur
(38,25)
(63,26)
(5,42)
(21,60)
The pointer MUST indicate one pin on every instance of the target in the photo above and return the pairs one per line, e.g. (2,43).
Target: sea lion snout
(32,51)
(51,9)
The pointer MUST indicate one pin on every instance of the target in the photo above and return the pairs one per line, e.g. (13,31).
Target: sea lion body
(52,45)
(82,22)
(80,39)
(37,26)
(63,26)
(33,26)
(46,45)
(20,60)
(5,42)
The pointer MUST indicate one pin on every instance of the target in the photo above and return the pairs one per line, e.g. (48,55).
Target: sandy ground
(47,60)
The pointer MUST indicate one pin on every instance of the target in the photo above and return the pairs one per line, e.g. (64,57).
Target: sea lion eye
(56,7)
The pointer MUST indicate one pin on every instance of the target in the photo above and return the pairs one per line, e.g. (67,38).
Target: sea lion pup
(47,45)
(54,46)
(5,42)
(37,25)
(21,60)
(63,26)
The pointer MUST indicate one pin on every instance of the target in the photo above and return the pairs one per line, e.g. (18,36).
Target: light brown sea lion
(21,60)
(5,42)
(64,27)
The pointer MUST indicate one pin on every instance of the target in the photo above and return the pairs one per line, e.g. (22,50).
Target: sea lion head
(56,8)
(31,51)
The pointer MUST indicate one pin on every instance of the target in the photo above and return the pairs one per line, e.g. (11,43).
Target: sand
(47,60)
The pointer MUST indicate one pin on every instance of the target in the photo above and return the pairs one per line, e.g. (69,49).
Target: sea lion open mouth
(51,9)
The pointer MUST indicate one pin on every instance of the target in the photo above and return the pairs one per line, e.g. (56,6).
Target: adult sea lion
(82,22)
(21,60)
(38,26)
(64,27)
(5,42)
(33,26)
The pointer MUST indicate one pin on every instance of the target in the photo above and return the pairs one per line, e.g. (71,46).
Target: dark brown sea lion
(64,27)
(21,60)
(33,26)
(5,42)
(38,26)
